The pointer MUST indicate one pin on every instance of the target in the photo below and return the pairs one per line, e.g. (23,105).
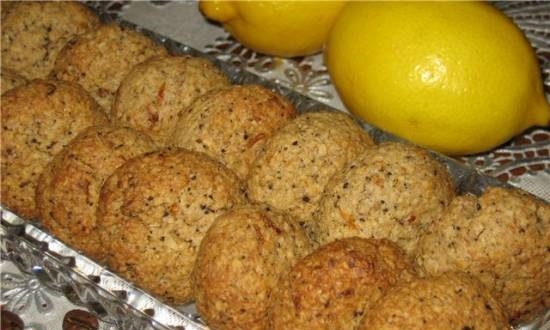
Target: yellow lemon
(459,77)
(280,28)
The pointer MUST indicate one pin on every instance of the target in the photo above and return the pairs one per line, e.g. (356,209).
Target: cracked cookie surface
(10,79)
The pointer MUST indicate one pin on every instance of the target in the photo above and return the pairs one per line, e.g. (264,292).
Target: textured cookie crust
(333,287)
(67,192)
(10,79)
(296,163)
(240,260)
(154,211)
(38,120)
(232,124)
(100,59)
(33,33)
(393,191)
(156,91)
(453,301)
(503,239)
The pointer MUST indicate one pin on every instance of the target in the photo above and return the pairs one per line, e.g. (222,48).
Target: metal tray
(110,297)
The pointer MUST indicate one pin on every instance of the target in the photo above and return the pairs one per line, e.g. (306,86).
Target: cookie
(38,120)
(450,301)
(156,91)
(100,59)
(240,260)
(67,192)
(232,124)
(154,211)
(502,238)
(336,284)
(296,163)
(392,191)
(33,33)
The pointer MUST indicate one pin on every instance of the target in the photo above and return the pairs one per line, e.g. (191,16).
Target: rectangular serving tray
(87,283)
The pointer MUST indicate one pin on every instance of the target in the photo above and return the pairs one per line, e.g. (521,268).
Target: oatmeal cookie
(334,286)
(154,211)
(100,59)
(240,260)
(156,91)
(38,120)
(393,191)
(67,192)
(503,239)
(295,164)
(232,124)
(33,33)
(453,301)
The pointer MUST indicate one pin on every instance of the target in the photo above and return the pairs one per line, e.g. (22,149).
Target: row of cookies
(75,77)
(155,209)
(255,270)
(323,171)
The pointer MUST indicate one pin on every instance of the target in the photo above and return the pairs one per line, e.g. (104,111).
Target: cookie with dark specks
(233,124)
(452,301)
(10,79)
(38,120)
(295,164)
(335,285)
(154,211)
(503,239)
(100,59)
(33,33)
(240,260)
(156,91)
(67,192)
(392,191)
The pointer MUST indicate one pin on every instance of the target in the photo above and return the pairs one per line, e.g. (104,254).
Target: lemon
(459,78)
(280,28)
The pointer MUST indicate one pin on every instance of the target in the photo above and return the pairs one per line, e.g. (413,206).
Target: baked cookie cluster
(197,189)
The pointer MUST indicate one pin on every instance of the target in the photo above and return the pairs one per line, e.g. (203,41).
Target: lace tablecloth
(524,162)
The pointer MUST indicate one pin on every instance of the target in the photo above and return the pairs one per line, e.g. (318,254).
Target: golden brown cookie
(154,211)
(38,120)
(232,124)
(67,192)
(33,33)
(452,301)
(100,59)
(240,260)
(296,163)
(392,191)
(10,79)
(156,91)
(334,286)
(503,239)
